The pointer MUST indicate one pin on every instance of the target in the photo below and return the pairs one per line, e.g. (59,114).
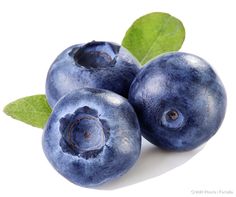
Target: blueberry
(103,65)
(92,136)
(179,100)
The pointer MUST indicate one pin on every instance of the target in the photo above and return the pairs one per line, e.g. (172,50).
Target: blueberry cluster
(103,101)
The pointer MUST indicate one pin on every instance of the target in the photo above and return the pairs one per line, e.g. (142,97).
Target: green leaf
(33,110)
(154,34)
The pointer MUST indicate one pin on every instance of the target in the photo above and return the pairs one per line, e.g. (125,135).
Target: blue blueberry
(179,100)
(92,136)
(102,65)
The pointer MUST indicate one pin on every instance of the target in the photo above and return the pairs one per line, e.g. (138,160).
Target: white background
(33,33)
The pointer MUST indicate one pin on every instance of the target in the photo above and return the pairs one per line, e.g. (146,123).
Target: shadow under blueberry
(153,162)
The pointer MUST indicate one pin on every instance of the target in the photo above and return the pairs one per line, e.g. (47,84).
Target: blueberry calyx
(96,55)
(172,115)
(83,133)
(172,119)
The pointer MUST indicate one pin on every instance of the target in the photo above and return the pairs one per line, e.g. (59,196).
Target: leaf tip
(6,109)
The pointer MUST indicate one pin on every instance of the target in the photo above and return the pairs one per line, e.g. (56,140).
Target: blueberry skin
(179,100)
(92,136)
(102,65)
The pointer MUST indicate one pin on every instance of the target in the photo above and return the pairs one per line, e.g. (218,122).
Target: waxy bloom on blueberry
(180,101)
(103,65)
(92,136)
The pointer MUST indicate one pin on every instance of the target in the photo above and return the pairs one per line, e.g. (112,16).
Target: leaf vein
(155,40)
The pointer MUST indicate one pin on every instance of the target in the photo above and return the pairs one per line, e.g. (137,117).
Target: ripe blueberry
(103,65)
(92,136)
(179,100)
